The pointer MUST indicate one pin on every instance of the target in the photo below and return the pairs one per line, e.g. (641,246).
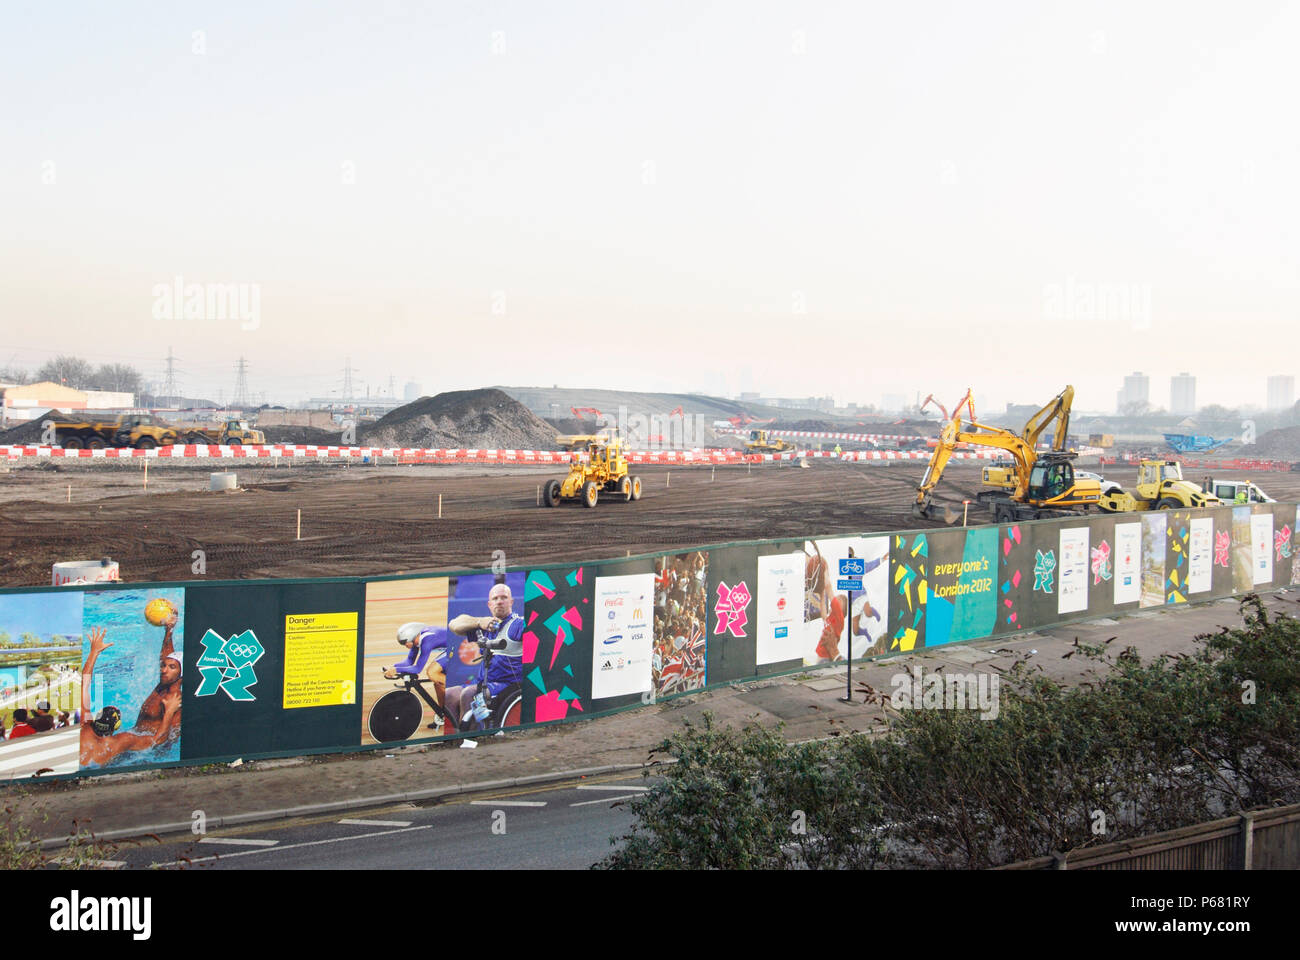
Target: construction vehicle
(1044,483)
(1235,491)
(1189,443)
(582,441)
(604,470)
(1160,486)
(744,420)
(1104,440)
(760,441)
(141,430)
(1002,474)
(234,433)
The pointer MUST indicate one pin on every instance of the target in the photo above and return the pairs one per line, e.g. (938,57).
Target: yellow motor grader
(604,471)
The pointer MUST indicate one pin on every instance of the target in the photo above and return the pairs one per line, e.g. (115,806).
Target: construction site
(432,484)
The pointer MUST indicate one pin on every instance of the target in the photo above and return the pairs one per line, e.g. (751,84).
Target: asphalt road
(565,827)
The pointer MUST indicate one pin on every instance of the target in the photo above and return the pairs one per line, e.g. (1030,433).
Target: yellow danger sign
(320,659)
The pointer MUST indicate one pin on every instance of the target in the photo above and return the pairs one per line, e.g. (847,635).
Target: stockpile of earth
(572,425)
(314,436)
(28,433)
(469,419)
(827,426)
(1281,444)
(818,426)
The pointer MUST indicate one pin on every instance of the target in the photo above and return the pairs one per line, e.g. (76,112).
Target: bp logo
(227,665)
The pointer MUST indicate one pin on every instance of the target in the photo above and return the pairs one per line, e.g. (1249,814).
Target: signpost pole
(851,571)
(848,646)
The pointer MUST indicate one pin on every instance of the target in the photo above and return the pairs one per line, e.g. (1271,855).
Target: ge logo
(611,614)
(241,650)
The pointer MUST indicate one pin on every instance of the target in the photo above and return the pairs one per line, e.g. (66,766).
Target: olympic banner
(246,645)
(731,616)
(961,602)
(1073,595)
(622,641)
(1128,563)
(1200,568)
(780,608)
(1261,538)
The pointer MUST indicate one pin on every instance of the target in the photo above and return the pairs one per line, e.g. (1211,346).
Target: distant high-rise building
(412,391)
(1136,395)
(1182,394)
(1281,392)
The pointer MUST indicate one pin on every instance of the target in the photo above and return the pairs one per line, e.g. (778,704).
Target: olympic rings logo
(242,650)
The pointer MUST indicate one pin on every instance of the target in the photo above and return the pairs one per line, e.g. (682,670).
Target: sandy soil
(380,520)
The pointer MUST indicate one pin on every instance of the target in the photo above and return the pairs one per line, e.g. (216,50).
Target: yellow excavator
(1001,474)
(1044,483)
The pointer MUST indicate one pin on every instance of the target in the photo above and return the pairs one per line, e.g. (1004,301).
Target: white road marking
(613,787)
(293,846)
(507,803)
(240,842)
(377,823)
(584,803)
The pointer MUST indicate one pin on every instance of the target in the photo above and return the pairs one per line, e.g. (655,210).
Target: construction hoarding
(267,668)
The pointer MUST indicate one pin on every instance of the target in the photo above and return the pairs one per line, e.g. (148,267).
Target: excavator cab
(1050,479)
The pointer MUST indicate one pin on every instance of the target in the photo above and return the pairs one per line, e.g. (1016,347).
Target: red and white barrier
(426,455)
(819,435)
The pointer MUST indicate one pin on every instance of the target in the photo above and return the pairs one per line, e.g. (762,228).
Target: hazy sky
(796,198)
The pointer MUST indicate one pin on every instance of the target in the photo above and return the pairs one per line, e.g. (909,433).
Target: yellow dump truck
(142,430)
(233,433)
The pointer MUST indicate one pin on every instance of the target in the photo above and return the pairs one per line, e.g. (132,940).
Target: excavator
(1043,484)
(1001,474)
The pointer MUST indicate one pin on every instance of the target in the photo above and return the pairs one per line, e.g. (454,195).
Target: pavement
(804,706)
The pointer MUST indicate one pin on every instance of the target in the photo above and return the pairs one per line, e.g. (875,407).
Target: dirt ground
(380,520)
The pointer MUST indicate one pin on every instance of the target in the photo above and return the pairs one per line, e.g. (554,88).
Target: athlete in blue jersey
(506,669)
(429,648)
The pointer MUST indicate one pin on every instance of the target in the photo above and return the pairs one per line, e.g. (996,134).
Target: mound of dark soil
(478,419)
(302,435)
(572,425)
(1280,444)
(28,433)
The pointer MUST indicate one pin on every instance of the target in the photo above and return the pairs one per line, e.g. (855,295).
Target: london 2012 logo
(730,609)
(227,665)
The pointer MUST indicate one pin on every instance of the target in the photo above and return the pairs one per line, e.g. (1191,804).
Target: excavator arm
(952,435)
(1057,409)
